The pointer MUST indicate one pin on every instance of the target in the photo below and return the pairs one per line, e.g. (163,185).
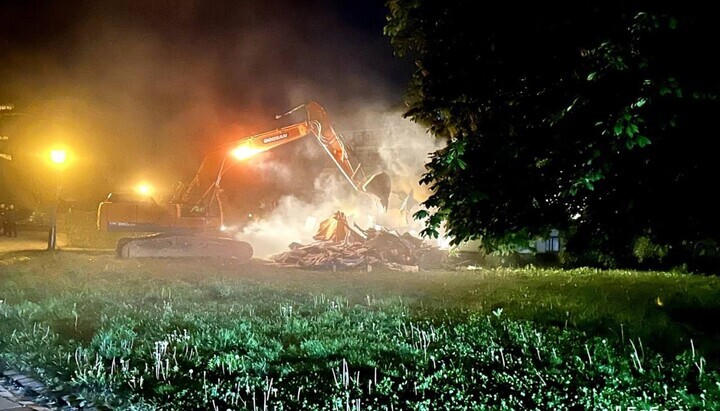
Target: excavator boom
(317,124)
(377,185)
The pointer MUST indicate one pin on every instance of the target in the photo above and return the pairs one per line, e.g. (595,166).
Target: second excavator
(189,225)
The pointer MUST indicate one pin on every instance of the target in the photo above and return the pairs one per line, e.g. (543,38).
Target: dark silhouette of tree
(596,118)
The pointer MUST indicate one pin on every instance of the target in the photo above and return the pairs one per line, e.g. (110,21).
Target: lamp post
(58,158)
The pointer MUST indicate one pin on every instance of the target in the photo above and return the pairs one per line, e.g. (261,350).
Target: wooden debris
(357,248)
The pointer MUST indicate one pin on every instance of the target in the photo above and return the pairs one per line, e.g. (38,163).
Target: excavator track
(176,245)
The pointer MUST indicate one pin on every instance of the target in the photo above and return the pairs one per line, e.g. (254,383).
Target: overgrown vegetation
(592,118)
(210,335)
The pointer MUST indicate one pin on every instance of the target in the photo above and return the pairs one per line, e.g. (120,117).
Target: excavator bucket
(379,186)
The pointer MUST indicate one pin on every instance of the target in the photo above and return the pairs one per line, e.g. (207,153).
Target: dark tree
(596,118)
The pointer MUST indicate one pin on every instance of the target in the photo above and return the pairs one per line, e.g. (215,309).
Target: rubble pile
(341,246)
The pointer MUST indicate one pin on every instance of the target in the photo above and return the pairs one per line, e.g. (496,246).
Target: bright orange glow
(58,156)
(144,189)
(243,152)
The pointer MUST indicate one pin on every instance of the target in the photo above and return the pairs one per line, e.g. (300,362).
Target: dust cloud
(401,149)
(143,90)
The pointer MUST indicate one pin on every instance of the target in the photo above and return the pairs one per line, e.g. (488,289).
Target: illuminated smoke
(143,90)
(402,148)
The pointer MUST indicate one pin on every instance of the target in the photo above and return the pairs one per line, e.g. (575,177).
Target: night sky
(141,89)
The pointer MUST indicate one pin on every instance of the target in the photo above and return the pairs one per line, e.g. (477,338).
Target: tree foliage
(595,118)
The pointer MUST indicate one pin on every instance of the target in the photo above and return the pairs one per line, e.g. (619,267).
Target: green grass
(198,335)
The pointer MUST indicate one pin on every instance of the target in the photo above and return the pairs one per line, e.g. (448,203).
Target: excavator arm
(377,185)
(202,193)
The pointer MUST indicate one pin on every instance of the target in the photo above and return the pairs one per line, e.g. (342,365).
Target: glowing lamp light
(144,189)
(58,156)
(244,151)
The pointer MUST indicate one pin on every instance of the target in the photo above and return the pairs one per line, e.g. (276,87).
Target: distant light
(223,228)
(244,151)
(58,156)
(144,189)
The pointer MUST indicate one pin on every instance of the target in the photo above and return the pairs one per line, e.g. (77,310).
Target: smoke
(399,147)
(144,90)
(296,220)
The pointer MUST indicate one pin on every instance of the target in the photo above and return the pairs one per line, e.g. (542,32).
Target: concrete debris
(340,246)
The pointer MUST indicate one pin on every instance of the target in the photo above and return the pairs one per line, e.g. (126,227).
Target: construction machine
(190,224)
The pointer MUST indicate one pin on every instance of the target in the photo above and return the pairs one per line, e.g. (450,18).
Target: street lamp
(58,157)
(144,189)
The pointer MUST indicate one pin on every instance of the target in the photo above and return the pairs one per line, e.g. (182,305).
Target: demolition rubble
(340,246)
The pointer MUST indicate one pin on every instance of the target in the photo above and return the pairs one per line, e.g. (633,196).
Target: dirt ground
(29,240)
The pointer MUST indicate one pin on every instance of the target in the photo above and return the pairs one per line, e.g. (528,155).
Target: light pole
(58,158)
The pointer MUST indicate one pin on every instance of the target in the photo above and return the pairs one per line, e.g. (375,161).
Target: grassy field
(206,335)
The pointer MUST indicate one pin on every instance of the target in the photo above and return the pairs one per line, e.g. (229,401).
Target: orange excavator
(189,225)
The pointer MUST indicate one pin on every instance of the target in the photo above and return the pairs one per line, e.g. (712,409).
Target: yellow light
(58,156)
(243,152)
(144,189)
